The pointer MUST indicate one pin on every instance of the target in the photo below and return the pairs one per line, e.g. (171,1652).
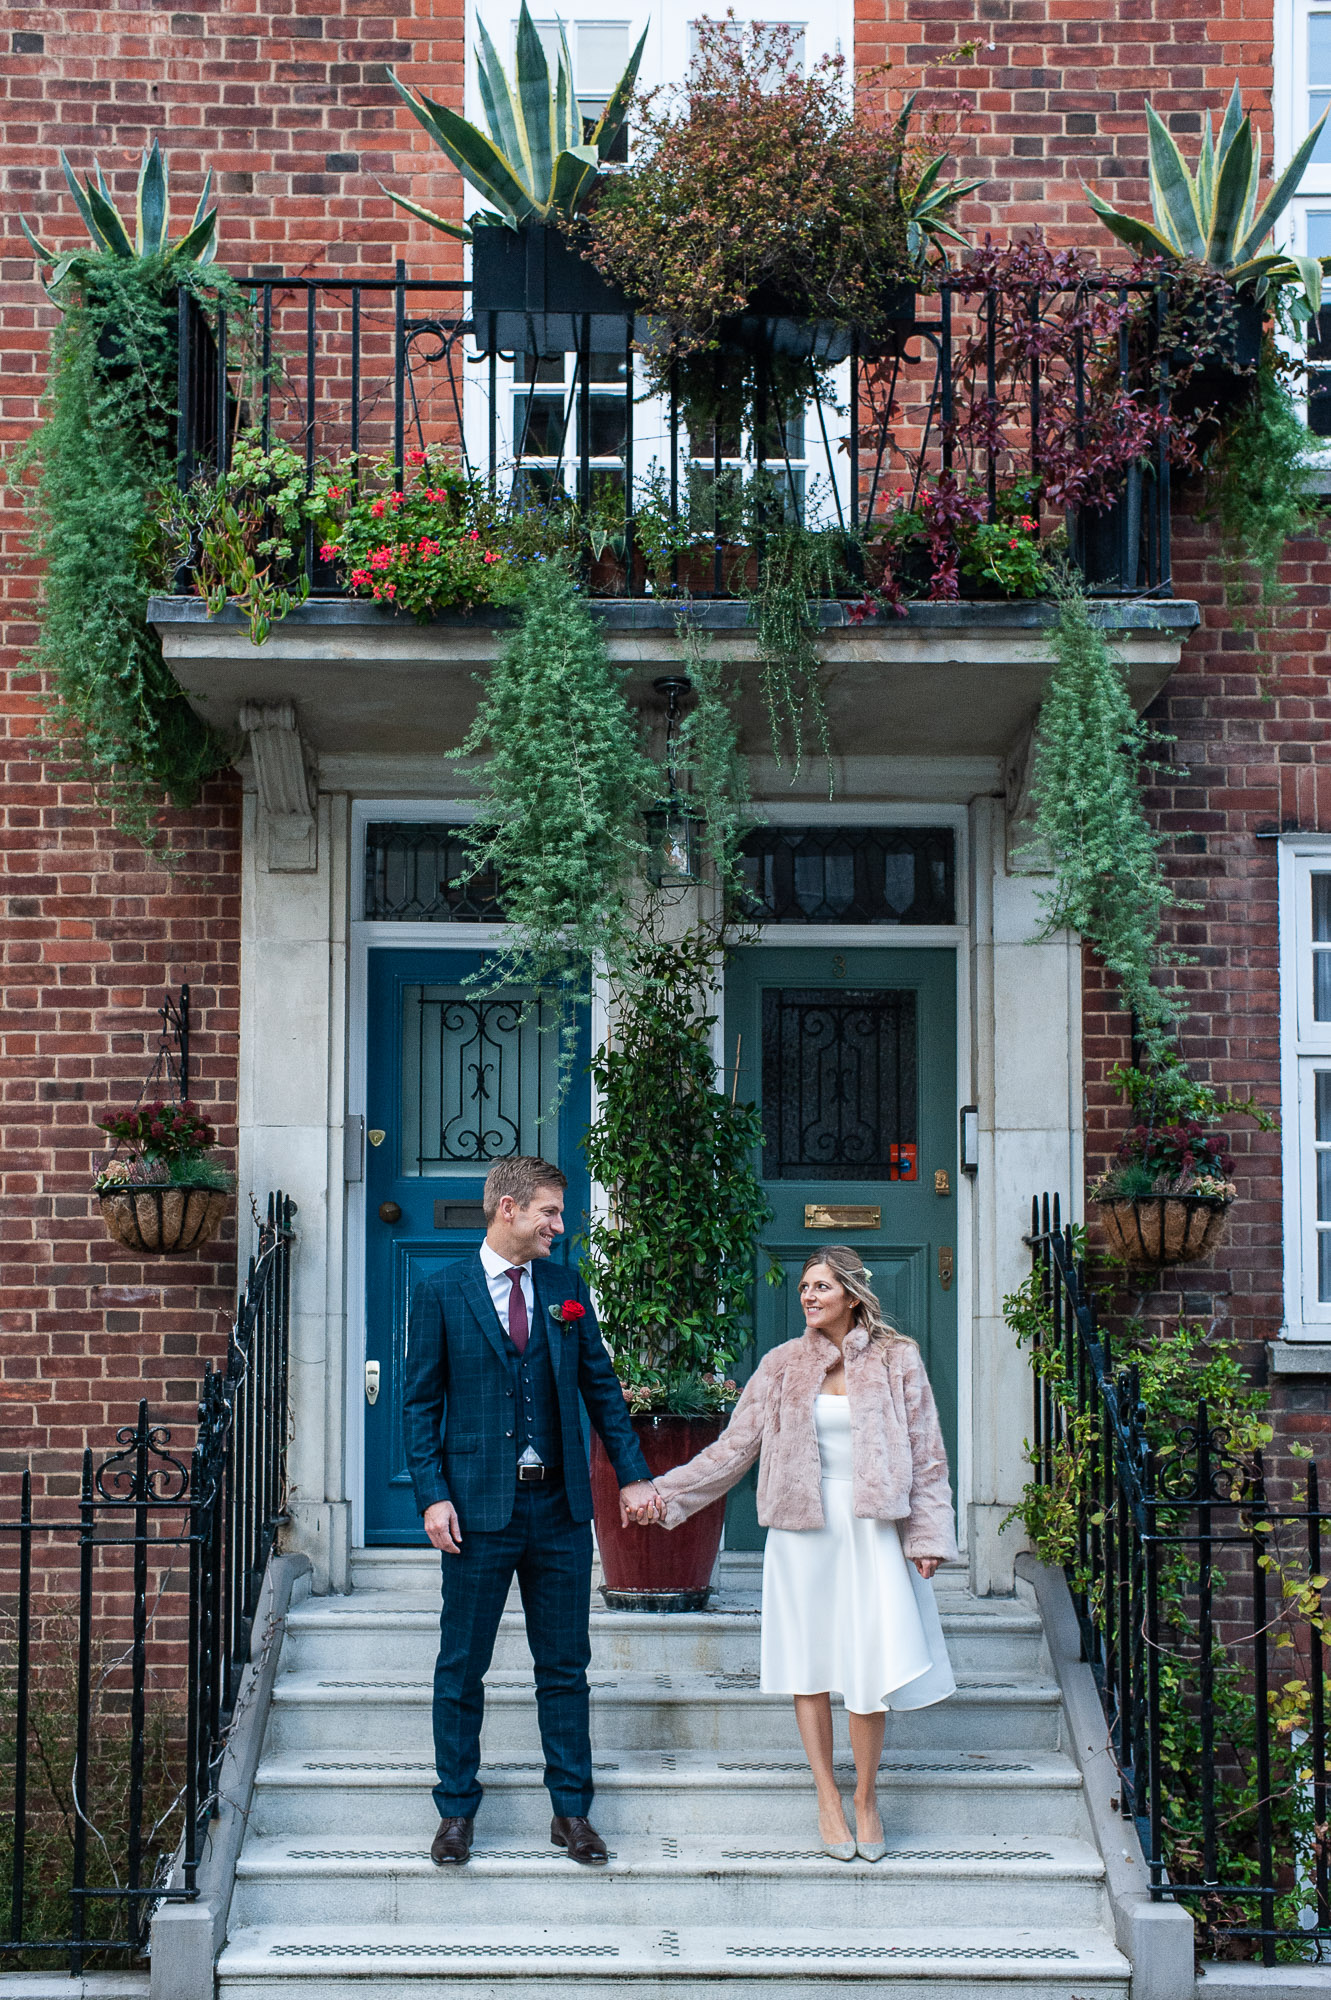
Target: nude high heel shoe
(840,1850)
(868,1850)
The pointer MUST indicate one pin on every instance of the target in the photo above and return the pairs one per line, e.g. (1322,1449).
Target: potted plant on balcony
(1167,1196)
(1209,220)
(531,288)
(767,211)
(165,1195)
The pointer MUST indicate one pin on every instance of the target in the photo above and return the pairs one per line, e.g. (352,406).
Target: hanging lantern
(673,826)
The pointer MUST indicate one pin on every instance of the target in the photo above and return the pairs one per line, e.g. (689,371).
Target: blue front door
(454,1082)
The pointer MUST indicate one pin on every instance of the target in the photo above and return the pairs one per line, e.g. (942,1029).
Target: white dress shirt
(501,1289)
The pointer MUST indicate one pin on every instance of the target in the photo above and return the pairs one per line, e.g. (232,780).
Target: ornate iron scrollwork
(839,1084)
(143,1472)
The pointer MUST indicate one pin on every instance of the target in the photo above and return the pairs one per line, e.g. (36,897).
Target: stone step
(721,1879)
(288,1962)
(402,1635)
(685,1793)
(642,1711)
(738,1573)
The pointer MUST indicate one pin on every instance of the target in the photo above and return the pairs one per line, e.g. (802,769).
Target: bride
(853,1491)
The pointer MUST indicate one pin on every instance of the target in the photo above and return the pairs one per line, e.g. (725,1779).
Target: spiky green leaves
(1211,217)
(534,165)
(112,237)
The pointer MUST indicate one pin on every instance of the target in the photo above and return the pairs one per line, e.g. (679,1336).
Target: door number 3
(838,965)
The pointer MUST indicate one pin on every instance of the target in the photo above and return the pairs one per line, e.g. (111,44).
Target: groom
(500,1346)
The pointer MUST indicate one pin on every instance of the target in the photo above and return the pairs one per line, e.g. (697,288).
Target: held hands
(640,1505)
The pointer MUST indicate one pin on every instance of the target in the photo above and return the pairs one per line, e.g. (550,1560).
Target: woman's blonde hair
(846,1267)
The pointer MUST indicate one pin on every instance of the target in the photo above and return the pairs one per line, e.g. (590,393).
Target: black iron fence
(1061,390)
(1199,1592)
(127,1623)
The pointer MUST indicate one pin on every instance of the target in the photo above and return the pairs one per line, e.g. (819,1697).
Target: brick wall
(289,105)
(1249,714)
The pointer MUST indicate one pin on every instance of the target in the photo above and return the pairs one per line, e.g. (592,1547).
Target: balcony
(973,405)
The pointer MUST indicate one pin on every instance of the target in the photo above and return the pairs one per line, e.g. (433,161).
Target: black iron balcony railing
(126,1628)
(993,391)
(1199,1593)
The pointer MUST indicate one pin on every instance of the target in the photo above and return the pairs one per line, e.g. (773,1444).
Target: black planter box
(1215,383)
(772,327)
(533,293)
(1107,543)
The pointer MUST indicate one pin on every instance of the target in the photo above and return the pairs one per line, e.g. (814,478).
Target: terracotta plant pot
(164,1221)
(1156,1229)
(650,1569)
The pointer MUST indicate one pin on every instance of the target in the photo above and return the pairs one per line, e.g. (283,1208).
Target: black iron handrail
(325,374)
(186,1542)
(1176,1540)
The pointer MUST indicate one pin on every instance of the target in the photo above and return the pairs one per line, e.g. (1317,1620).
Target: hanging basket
(167,1221)
(1152,1230)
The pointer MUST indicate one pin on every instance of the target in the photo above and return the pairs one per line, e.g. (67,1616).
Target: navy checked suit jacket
(458,1406)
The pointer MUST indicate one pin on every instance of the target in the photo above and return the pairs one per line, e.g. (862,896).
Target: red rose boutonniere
(569,1313)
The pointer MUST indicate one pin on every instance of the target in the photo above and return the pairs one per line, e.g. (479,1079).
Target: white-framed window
(1305,1090)
(1302,71)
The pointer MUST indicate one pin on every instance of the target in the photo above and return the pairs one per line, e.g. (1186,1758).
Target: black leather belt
(532,1475)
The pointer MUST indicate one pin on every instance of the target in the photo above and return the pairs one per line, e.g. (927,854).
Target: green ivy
(1176,1370)
(1259,493)
(91,475)
(564,786)
(672,1256)
(796,565)
(1090,750)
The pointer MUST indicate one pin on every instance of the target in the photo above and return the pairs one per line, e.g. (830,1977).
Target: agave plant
(925,206)
(1211,217)
(112,237)
(535,165)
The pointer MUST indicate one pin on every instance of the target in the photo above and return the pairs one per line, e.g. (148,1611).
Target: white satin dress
(843,1611)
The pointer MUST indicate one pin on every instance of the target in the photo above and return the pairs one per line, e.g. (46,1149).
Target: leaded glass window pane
(417,872)
(849,875)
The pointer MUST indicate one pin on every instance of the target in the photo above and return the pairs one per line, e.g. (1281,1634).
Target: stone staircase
(716,1875)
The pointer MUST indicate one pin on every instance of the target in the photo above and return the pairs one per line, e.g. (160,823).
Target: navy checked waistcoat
(459,1419)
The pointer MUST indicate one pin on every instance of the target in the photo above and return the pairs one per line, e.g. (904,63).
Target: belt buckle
(530,1470)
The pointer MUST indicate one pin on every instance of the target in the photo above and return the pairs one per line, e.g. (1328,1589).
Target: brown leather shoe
(452,1843)
(580,1837)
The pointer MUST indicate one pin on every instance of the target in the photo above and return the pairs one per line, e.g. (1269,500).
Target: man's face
(532,1230)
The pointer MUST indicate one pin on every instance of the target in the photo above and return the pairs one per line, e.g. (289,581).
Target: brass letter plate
(841,1215)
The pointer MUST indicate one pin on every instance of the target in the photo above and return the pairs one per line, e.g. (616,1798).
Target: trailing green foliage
(796,566)
(1090,749)
(710,764)
(672,1256)
(1259,493)
(564,786)
(91,476)
(1176,1370)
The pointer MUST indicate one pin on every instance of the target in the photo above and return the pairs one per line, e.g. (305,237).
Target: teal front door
(455,1080)
(852,1057)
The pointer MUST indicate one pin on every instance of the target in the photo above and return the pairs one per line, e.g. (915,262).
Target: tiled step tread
(326,1685)
(671,1769)
(586,1952)
(960,1854)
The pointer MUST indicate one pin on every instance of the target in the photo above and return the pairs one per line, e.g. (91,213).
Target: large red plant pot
(652,1569)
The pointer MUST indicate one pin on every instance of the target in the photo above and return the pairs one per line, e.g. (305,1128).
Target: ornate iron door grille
(416,872)
(476,1072)
(849,875)
(840,1098)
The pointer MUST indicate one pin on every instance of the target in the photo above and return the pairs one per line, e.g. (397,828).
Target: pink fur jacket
(898,1461)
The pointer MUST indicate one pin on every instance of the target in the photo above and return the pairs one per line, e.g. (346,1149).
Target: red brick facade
(286,100)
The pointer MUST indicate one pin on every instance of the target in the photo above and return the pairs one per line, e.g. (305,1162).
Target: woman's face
(828,1306)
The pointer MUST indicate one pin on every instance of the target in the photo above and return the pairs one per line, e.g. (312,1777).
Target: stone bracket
(282,775)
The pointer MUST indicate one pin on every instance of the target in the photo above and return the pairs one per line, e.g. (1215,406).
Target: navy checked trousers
(551,1555)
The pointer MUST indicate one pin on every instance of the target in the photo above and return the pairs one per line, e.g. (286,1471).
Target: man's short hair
(519,1178)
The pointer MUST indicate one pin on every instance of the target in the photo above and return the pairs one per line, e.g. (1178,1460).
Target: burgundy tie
(518,1327)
